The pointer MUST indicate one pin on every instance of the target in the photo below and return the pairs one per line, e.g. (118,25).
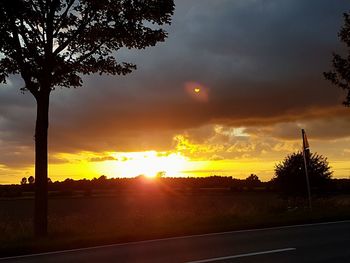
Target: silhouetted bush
(23,181)
(290,174)
(252,181)
(31,180)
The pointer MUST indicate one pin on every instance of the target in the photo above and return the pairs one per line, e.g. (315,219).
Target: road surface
(324,242)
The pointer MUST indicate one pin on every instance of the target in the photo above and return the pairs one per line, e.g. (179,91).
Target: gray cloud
(262,62)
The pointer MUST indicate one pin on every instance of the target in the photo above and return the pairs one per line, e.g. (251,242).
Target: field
(85,221)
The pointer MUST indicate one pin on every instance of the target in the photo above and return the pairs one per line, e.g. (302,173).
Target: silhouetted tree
(340,74)
(51,43)
(290,174)
(253,178)
(31,179)
(160,174)
(252,181)
(23,181)
(102,178)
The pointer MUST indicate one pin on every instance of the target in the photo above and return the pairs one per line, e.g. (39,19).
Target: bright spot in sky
(149,163)
(197,91)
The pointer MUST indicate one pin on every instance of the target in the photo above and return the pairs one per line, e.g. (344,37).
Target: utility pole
(306,155)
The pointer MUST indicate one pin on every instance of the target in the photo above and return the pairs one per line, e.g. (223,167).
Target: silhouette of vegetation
(161,174)
(340,74)
(31,180)
(24,180)
(253,181)
(290,174)
(189,185)
(52,43)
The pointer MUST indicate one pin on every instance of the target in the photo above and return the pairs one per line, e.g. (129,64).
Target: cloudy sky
(227,93)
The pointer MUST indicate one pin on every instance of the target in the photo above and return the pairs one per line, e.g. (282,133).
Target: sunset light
(126,122)
(151,163)
(120,164)
(199,104)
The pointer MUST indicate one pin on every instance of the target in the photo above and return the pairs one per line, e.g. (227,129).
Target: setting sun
(148,163)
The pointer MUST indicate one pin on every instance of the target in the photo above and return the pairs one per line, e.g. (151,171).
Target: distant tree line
(85,187)
(142,182)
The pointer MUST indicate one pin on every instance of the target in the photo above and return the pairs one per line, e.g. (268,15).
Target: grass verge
(83,222)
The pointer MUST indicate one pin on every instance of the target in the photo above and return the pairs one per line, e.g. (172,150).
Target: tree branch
(62,17)
(31,46)
(79,30)
(37,30)
(18,56)
(89,54)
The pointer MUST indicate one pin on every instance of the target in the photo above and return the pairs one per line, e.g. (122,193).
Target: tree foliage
(23,180)
(252,181)
(290,173)
(340,74)
(52,43)
(31,179)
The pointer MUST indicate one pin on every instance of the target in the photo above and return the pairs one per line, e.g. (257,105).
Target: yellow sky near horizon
(205,151)
(80,169)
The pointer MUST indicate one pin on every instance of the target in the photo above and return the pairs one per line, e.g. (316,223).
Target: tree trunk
(41,157)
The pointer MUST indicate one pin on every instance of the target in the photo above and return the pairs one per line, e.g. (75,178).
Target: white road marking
(244,255)
(173,238)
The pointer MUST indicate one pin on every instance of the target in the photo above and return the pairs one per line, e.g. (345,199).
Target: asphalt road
(325,242)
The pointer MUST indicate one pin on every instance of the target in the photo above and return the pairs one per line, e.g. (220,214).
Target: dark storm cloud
(331,125)
(262,62)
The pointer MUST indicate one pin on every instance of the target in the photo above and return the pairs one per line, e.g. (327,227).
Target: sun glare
(150,163)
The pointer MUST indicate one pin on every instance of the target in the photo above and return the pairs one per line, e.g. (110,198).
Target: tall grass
(75,222)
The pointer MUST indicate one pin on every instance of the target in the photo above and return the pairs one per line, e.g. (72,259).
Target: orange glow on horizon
(150,163)
(187,158)
(121,164)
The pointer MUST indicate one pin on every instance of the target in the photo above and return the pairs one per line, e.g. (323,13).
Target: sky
(227,93)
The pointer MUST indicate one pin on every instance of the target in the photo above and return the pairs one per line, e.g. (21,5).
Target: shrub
(290,174)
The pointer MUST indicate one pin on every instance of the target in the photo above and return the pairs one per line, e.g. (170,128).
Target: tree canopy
(54,42)
(290,173)
(340,74)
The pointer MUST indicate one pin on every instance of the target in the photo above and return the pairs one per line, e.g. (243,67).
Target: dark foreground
(78,222)
(324,242)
